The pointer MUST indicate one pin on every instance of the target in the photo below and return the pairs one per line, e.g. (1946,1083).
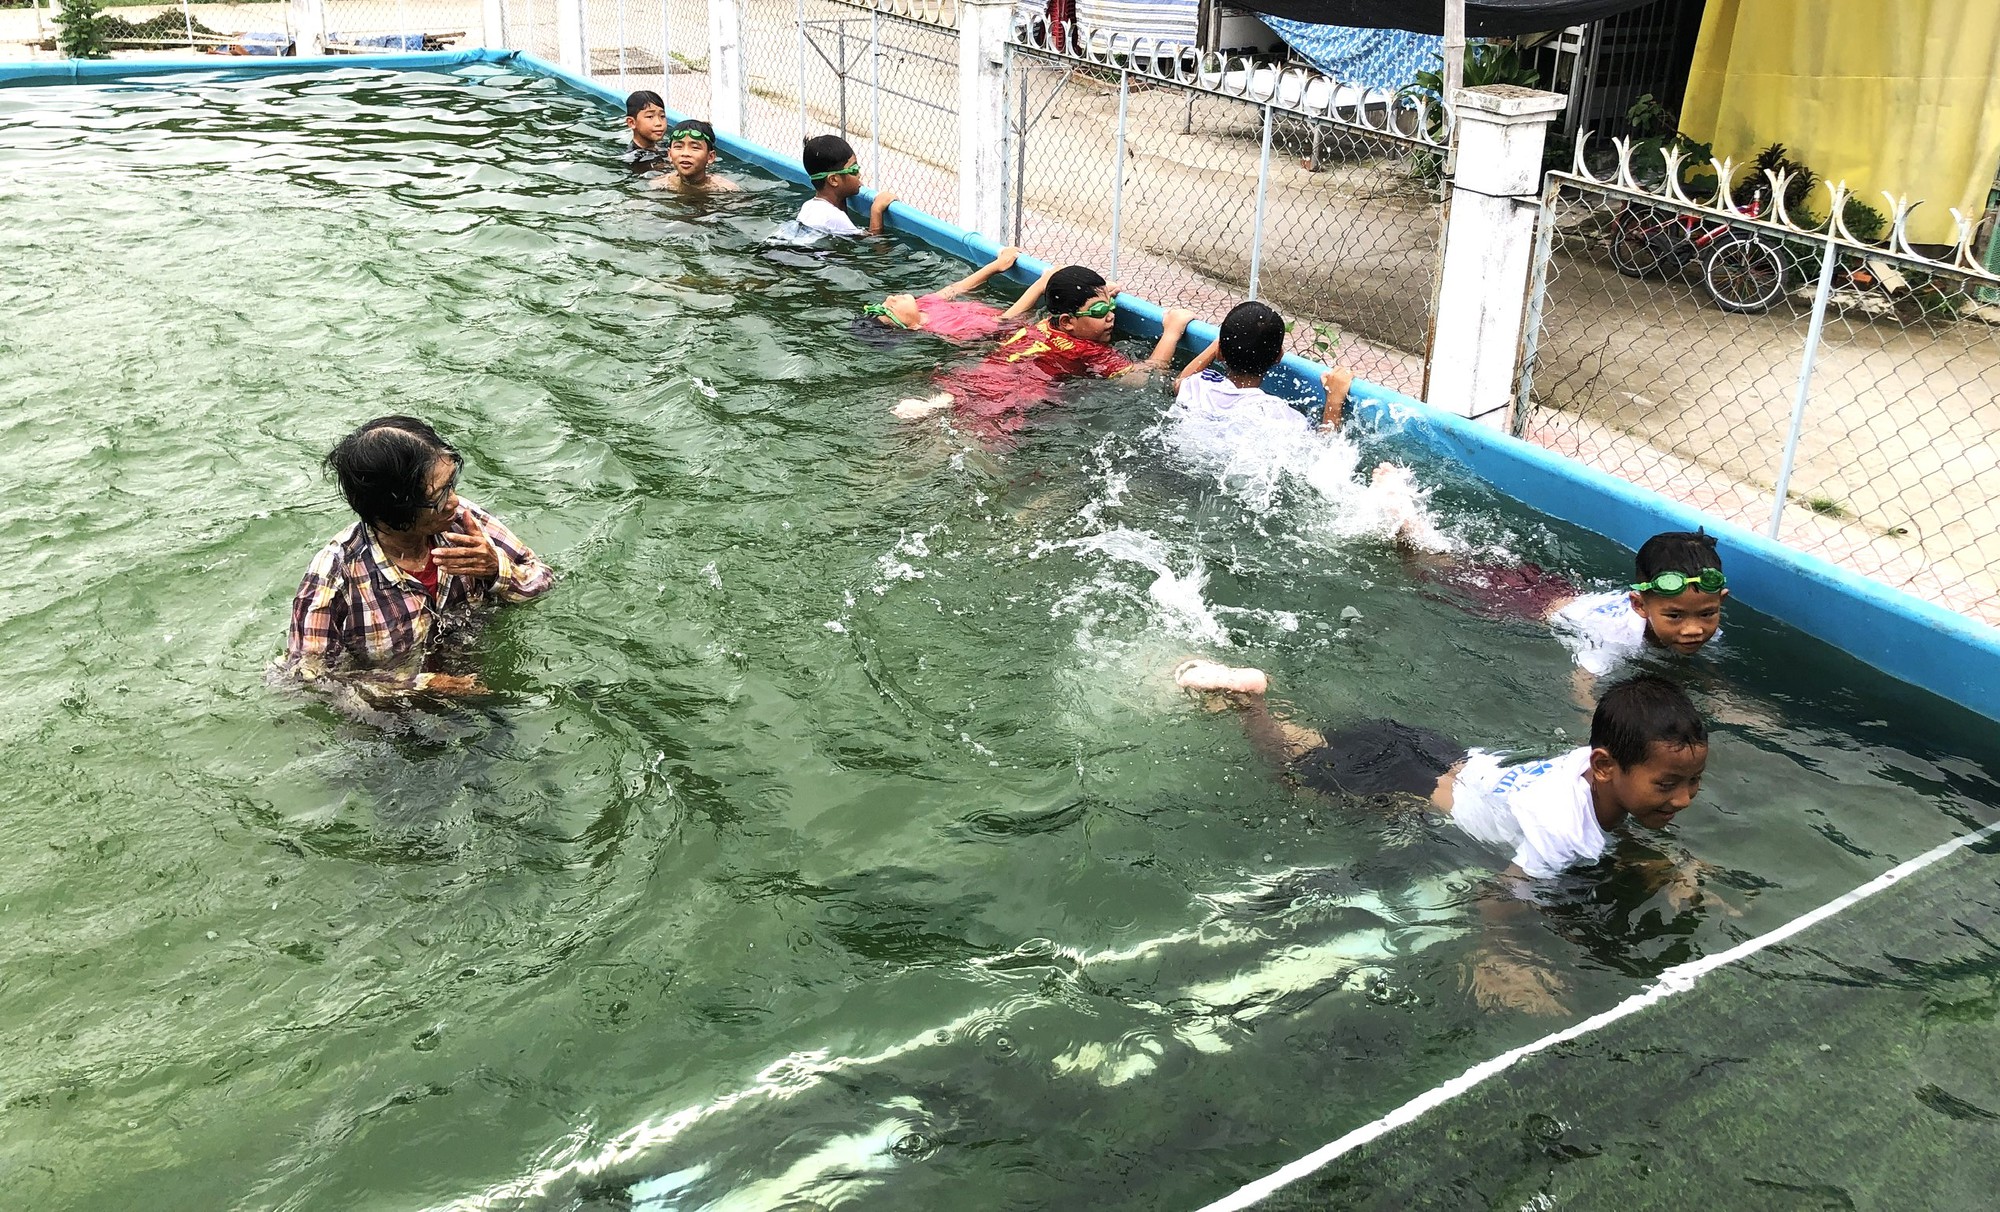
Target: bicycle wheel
(1637,246)
(1744,275)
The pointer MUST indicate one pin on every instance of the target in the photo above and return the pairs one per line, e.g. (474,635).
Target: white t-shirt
(1210,403)
(1600,630)
(822,215)
(1539,811)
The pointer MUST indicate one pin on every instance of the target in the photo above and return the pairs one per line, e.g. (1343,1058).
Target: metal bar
(1020,145)
(1531,327)
(1118,169)
(666,53)
(840,73)
(805,131)
(621,46)
(1263,189)
(1813,334)
(875,90)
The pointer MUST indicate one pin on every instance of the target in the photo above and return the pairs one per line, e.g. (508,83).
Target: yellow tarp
(1901,96)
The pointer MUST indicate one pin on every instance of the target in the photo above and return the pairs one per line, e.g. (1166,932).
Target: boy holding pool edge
(835,174)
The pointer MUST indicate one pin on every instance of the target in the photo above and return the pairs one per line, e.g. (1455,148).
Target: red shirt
(996,395)
(427,576)
(958,319)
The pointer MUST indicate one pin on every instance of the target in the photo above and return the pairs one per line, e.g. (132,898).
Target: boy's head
(896,311)
(646,117)
(831,166)
(691,147)
(1253,339)
(1648,748)
(1079,303)
(1680,589)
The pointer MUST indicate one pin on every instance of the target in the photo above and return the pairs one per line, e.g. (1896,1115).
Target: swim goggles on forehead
(1669,583)
(688,132)
(877,309)
(1097,310)
(852,170)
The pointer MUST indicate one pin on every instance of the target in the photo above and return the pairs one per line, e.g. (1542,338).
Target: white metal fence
(1770,367)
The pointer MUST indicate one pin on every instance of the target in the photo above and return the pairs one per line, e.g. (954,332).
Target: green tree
(80,30)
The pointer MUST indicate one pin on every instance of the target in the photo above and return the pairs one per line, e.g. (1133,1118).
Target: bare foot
(912,409)
(1200,674)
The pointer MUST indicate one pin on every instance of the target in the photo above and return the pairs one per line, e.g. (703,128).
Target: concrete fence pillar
(309,26)
(493,24)
(572,38)
(983,27)
(1488,250)
(728,87)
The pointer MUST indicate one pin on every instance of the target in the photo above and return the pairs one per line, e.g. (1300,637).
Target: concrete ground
(1647,380)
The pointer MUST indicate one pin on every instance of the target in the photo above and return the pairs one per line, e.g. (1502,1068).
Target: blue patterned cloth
(1371,58)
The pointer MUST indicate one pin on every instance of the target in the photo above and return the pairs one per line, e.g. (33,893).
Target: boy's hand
(1177,319)
(467,555)
(455,684)
(1111,289)
(1503,980)
(1336,382)
(880,206)
(1683,887)
(1005,258)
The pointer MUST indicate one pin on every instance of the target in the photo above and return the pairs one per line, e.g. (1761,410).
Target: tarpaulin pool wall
(1915,641)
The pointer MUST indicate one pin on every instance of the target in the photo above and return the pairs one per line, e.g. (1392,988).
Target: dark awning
(1483,18)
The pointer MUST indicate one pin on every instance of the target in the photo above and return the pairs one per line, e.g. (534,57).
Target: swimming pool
(834,834)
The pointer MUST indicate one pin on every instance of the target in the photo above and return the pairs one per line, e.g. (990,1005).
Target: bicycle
(1741,270)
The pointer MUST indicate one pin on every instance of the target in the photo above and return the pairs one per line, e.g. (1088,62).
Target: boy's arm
(1031,298)
(877,209)
(1173,326)
(1503,974)
(1337,382)
(1000,264)
(1202,361)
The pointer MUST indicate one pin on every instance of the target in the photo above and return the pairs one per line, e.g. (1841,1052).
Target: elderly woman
(378,597)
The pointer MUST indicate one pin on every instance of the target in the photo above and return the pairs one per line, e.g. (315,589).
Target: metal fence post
(666,55)
(805,126)
(621,45)
(1531,327)
(727,85)
(1118,168)
(982,114)
(1489,238)
(1018,182)
(1813,334)
(875,88)
(1263,189)
(572,52)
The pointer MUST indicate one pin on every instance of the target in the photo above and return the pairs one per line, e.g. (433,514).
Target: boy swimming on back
(1073,341)
(835,174)
(1647,753)
(691,155)
(946,313)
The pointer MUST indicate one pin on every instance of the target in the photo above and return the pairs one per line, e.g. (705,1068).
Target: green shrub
(80,30)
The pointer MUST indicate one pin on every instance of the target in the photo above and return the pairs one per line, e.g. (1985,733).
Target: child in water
(646,118)
(1647,753)
(835,174)
(691,155)
(946,313)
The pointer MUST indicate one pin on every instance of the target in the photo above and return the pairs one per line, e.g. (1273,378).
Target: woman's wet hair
(824,153)
(1683,551)
(1638,713)
(384,469)
(1071,288)
(1253,339)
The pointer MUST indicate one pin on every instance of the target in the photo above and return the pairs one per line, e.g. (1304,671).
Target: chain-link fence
(1199,180)
(1836,393)
(660,45)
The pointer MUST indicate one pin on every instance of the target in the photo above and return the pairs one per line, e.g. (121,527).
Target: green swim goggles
(1097,310)
(689,133)
(1670,583)
(852,170)
(877,309)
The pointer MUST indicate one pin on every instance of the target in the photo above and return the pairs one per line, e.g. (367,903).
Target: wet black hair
(1070,288)
(638,102)
(384,469)
(1253,339)
(824,153)
(1638,713)
(1683,551)
(707,131)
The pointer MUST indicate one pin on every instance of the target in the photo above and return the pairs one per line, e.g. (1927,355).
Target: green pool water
(834,836)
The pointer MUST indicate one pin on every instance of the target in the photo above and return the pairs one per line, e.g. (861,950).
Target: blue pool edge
(1903,636)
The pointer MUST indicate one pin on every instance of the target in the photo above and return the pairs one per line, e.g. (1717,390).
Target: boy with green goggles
(690,145)
(1675,605)
(835,174)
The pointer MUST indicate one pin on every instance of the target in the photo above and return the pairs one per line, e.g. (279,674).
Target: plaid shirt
(360,618)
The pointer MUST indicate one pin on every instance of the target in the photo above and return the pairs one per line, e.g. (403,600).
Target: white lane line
(1678,979)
